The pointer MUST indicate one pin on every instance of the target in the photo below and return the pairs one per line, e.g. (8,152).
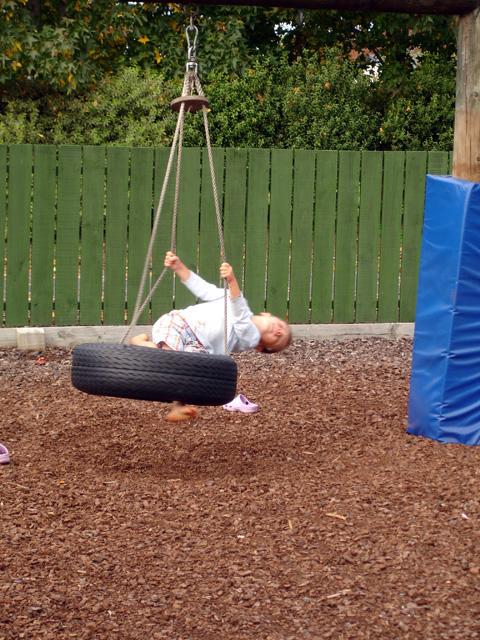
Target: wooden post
(466,147)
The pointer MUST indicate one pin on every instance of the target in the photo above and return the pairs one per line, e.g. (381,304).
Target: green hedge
(327,104)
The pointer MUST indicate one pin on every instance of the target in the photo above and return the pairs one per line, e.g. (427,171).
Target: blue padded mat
(444,401)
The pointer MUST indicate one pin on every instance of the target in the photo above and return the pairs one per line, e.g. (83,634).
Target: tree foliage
(64,45)
(392,43)
(331,105)
(422,118)
(69,45)
(104,71)
(323,103)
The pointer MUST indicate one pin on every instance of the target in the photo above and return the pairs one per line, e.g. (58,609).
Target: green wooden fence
(315,236)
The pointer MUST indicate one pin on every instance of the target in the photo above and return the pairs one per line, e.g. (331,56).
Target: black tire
(142,373)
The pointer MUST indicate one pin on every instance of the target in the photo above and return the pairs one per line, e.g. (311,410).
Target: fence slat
(68,235)
(117,186)
(162,300)
(139,226)
(302,232)
(188,221)
(392,208)
(369,236)
(235,208)
(3,220)
(415,168)
(209,247)
(18,233)
(438,162)
(93,190)
(257,224)
(279,232)
(346,237)
(43,233)
(324,236)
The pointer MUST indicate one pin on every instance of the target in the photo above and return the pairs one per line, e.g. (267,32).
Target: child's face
(275,333)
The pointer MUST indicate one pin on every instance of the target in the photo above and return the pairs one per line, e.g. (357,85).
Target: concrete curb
(38,338)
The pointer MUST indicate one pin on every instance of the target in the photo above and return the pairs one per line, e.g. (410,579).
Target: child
(201,327)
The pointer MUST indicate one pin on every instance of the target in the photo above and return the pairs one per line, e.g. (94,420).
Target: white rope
(216,201)
(139,306)
(191,81)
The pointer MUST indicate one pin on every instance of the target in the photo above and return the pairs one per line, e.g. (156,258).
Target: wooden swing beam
(466,147)
(445,7)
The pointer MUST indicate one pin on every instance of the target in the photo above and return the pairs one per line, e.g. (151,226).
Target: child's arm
(174,263)
(198,286)
(226,272)
(247,333)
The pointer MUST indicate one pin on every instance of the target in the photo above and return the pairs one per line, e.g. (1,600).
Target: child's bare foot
(142,341)
(182,412)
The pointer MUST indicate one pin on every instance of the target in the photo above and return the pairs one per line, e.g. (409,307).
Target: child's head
(275,333)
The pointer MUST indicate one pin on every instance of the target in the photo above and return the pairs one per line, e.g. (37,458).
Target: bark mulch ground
(317,517)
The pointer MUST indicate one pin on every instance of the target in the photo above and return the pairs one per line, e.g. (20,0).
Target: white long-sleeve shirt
(207,319)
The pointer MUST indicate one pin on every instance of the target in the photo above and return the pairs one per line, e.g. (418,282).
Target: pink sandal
(240,403)
(4,455)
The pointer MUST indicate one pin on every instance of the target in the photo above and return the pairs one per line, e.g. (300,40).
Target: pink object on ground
(4,455)
(240,403)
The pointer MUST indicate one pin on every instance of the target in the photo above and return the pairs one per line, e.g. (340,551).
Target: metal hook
(192,47)
(195,30)
(191,34)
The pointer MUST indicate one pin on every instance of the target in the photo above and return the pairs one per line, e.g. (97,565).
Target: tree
(391,43)
(62,45)
(330,105)
(67,45)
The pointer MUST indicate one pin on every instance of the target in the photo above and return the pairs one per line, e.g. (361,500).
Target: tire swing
(142,373)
